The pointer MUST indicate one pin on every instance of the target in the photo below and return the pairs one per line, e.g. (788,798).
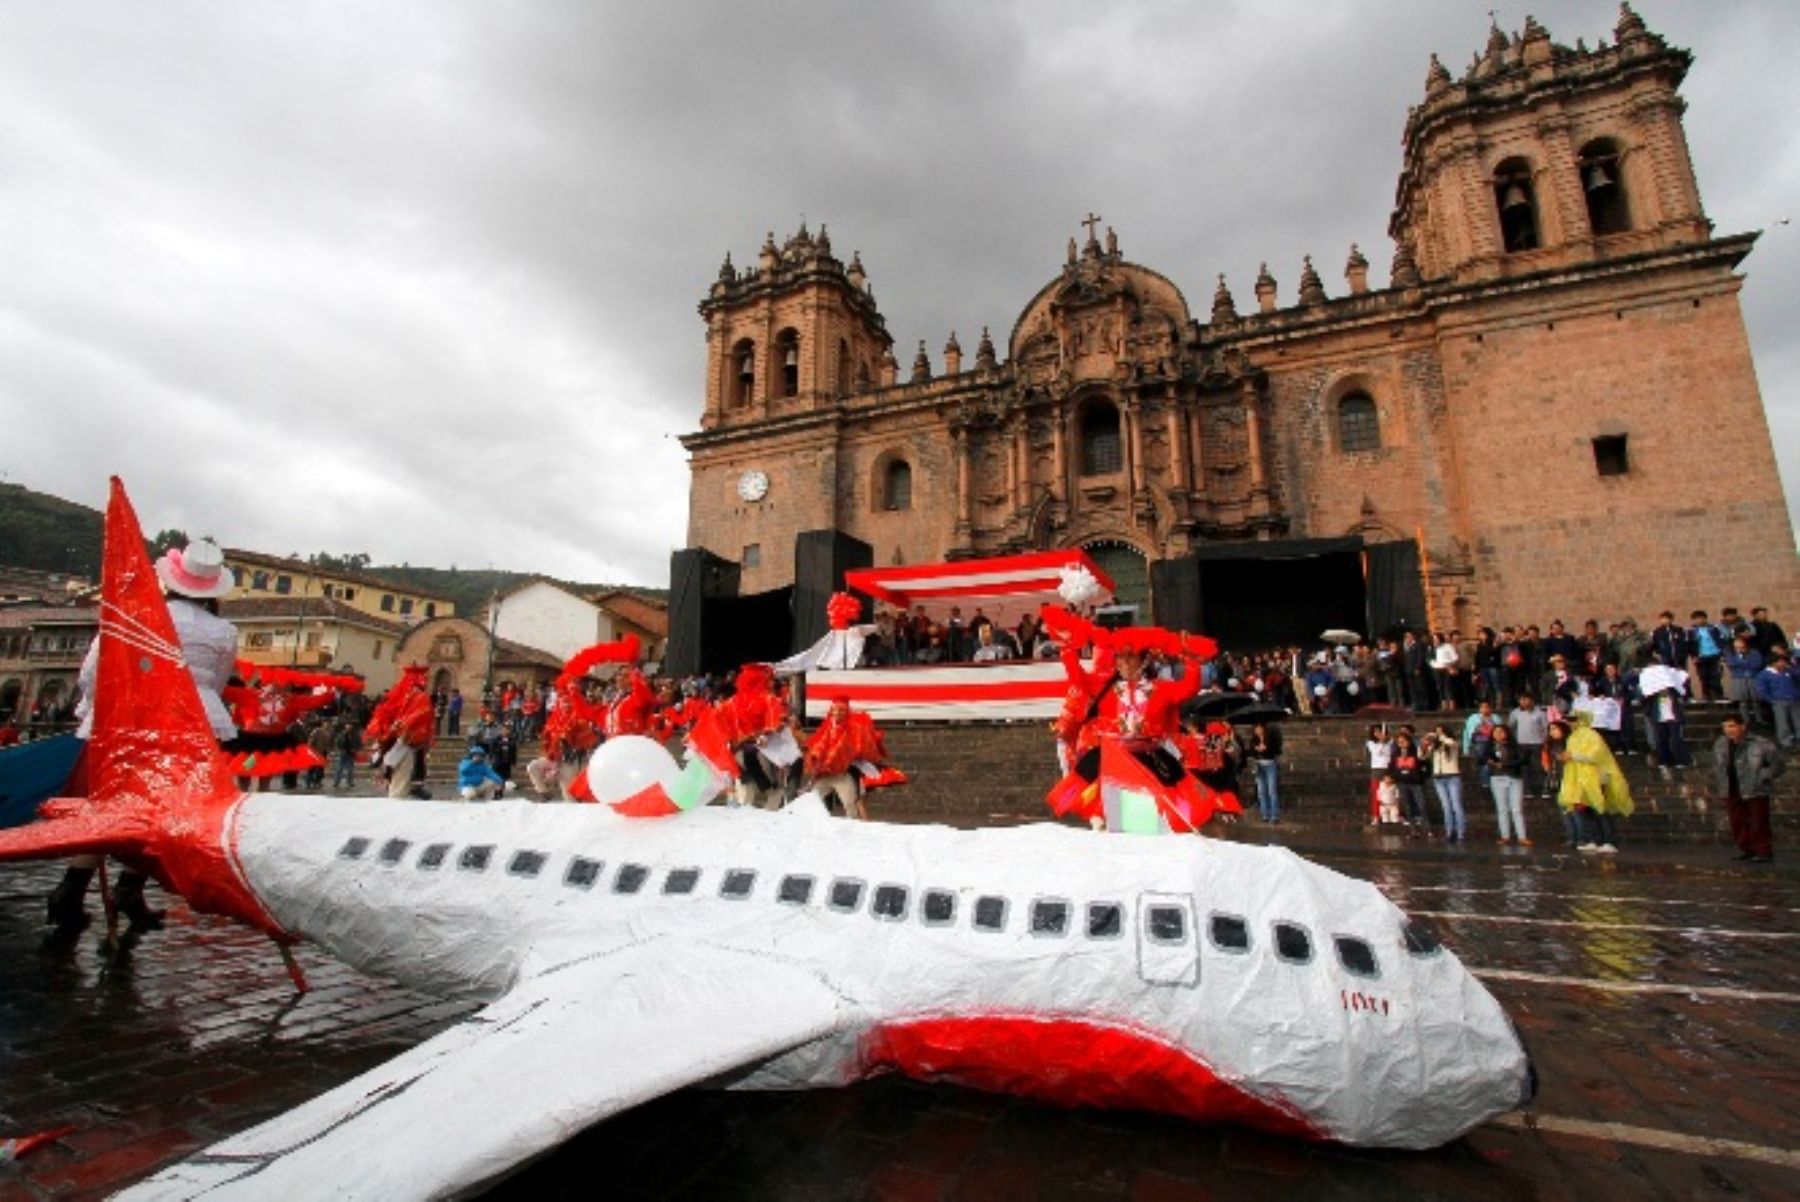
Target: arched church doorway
(1129,570)
(441,681)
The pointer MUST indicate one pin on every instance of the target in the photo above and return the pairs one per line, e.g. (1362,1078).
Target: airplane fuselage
(1194,976)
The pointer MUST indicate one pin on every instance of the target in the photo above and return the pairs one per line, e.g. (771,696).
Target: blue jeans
(1268,799)
(1449,791)
(343,771)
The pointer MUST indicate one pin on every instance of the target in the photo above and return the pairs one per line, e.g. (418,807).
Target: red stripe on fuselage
(1074,1062)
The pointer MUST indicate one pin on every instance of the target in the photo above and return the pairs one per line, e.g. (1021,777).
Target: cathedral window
(787,353)
(1518,206)
(843,368)
(743,366)
(1603,186)
(1609,455)
(1102,450)
(1359,427)
(896,485)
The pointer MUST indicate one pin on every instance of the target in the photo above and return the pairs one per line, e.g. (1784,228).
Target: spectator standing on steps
(1769,634)
(1265,756)
(1446,779)
(1742,663)
(346,741)
(1745,766)
(1407,769)
(1381,753)
(1707,645)
(1529,726)
(1778,688)
(1506,769)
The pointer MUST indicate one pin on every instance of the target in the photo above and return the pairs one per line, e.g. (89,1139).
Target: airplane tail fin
(160,790)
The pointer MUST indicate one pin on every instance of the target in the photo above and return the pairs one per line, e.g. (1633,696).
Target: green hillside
(50,534)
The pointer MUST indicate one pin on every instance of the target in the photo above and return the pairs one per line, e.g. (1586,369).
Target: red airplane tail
(161,793)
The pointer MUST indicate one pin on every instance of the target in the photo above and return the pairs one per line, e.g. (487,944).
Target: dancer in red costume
(403,728)
(1212,757)
(266,711)
(749,718)
(580,720)
(632,713)
(1126,746)
(847,756)
(1083,694)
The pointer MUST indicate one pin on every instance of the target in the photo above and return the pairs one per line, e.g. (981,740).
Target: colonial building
(41,649)
(317,634)
(1528,401)
(460,655)
(265,576)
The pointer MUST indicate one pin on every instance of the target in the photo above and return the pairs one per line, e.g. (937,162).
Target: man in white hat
(193,580)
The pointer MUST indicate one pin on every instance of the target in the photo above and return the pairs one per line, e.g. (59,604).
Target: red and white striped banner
(1007,585)
(964,692)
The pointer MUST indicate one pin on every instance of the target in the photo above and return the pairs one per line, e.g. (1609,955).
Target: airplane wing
(565,1048)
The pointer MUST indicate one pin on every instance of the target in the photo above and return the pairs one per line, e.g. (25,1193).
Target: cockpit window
(846,895)
(1421,940)
(475,859)
(681,880)
(582,873)
(353,848)
(1166,924)
(433,857)
(795,890)
(1105,920)
(1292,943)
(1230,933)
(1356,956)
(889,903)
(393,849)
(990,913)
(527,863)
(1050,917)
(738,883)
(939,908)
(631,878)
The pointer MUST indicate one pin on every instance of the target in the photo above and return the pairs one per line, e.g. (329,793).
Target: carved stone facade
(1528,396)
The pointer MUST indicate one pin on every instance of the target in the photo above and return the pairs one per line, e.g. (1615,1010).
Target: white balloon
(626,765)
(1079,586)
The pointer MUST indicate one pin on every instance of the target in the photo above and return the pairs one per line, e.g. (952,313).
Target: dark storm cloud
(419,279)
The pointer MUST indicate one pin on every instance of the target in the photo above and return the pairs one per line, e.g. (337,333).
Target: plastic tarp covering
(33,773)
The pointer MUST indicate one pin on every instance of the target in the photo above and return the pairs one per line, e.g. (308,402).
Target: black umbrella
(1217,705)
(1263,712)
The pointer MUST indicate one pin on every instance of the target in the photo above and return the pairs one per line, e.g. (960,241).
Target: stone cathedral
(1551,402)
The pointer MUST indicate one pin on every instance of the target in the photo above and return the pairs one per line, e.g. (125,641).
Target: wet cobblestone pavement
(1662,1007)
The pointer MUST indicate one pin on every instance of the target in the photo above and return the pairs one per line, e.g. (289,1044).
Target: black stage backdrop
(1256,595)
(739,630)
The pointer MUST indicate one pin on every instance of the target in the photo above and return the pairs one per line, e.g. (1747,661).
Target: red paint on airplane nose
(1070,1061)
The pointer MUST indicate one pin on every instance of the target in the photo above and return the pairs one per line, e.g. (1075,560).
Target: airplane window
(990,913)
(631,878)
(527,863)
(738,883)
(1421,940)
(939,908)
(795,890)
(1356,956)
(846,895)
(1230,933)
(1106,920)
(582,873)
(1049,916)
(1292,943)
(353,848)
(433,856)
(393,849)
(890,902)
(1166,924)
(681,880)
(475,859)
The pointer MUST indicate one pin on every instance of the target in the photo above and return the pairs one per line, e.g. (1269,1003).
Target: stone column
(1021,449)
(960,434)
(1253,429)
(1134,446)
(1059,418)
(1178,476)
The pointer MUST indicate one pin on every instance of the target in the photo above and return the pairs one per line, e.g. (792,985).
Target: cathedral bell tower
(1543,157)
(795,333)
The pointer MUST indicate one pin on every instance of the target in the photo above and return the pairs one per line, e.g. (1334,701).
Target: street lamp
(493,627)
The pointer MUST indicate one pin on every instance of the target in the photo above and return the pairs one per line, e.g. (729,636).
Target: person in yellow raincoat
(1594,791)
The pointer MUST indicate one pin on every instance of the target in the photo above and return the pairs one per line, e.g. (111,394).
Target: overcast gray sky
(419,278)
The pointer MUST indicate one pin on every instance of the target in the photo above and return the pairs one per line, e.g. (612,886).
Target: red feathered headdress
(755,678)
(624,651)
(1071,630)
(842,610)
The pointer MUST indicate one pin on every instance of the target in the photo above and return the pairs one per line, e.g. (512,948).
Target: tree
(356,561)
(167,540)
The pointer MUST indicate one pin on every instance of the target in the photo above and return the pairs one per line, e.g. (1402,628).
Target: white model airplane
(628,958)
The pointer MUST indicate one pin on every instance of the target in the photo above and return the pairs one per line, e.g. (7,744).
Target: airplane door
(1167,939)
